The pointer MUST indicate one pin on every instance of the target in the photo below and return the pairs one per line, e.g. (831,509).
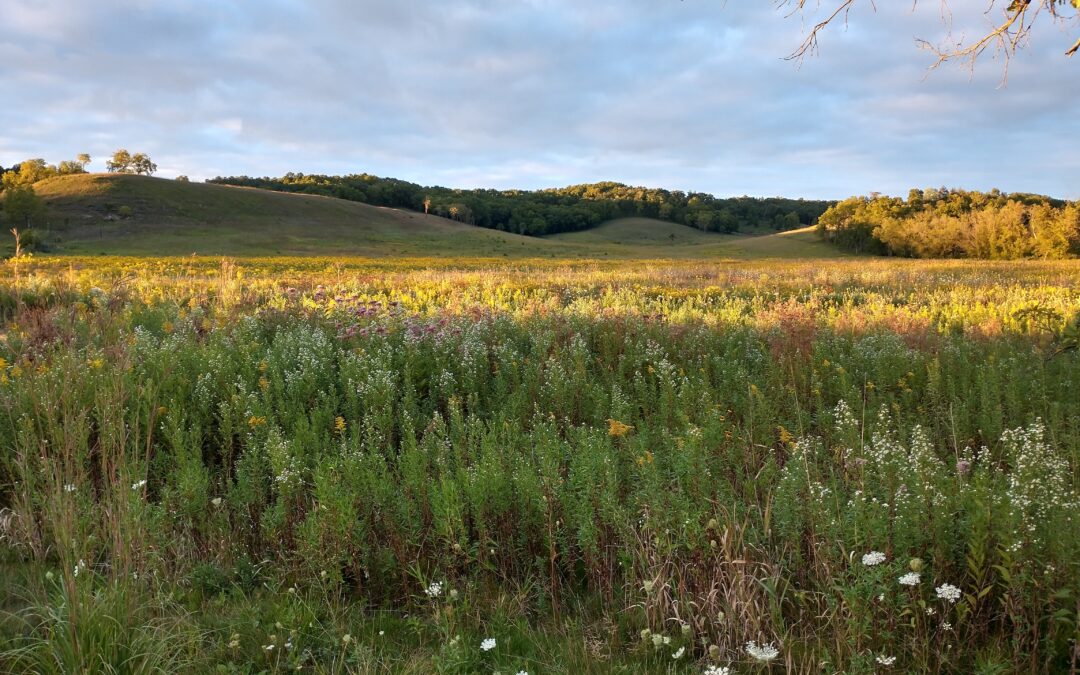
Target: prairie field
(477,465)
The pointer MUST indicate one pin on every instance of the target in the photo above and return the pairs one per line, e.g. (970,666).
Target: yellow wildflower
(617,428)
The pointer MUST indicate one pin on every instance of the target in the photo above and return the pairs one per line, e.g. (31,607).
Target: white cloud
(689,95)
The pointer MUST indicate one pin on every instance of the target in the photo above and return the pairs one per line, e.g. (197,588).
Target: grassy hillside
(645,237)
(138,215)
(176,217)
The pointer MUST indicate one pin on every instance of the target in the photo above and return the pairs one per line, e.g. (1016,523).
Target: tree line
(944,223)
(551,211)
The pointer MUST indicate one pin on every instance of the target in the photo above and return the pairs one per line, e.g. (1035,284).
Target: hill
(168,216)
(646,237)
(139,215)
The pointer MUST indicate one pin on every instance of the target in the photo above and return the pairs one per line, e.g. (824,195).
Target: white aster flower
(763,652)
(910,579)
(886,660)
(948,592)
(488,644)
(873,558)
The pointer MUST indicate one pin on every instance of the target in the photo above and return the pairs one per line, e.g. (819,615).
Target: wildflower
(885,660)
(717,670)
(339,425)
(873,558)
(645,634)
(138,485)
(522,672)
(657,640)
(488,644)
(764,652)
(963,467)
(346,639)
(268,648)
(264,383)
(946,625)
(948,592)
(234,641)
(714,652)
(70,487)
(434,590)
(678,653)
(216,501)
(916,564)
(648,586)
(910,579)
(255,421)
(617,428)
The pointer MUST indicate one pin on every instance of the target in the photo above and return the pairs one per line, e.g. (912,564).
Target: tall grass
(601,467)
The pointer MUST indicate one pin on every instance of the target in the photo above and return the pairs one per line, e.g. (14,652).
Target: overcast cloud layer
(691,95)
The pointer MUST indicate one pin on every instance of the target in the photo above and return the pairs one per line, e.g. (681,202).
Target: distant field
(176,218)
(646,237)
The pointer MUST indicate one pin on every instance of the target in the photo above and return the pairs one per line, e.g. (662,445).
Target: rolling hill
(645,237)
(169,216)
(139,215)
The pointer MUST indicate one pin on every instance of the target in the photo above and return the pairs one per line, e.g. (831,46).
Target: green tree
(23,207)
(121,162)
(141,164)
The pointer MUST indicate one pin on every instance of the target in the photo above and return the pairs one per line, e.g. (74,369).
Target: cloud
(689,95)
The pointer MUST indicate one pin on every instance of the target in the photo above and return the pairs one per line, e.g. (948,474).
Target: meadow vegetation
(545,466)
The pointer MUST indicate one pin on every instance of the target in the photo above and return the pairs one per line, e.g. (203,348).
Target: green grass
(176,218)
(184,218)
(650,238)
(611,466)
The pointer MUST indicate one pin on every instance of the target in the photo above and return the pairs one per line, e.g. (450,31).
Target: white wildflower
(717,670)
(488,644)
(886,660)
(948,592)
(910,579)
(138,485)
(70,487)
(678,653)
(946,625)
(873,558)
(434,590)
(216,501)
(764,652)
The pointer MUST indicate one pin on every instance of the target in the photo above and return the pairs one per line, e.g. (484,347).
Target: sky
(693,95)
